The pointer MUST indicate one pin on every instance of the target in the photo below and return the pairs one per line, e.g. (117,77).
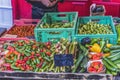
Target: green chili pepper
(45,68)
(47,59)
(37,61)
(34,61)
(26,53)
(44,64)
(8,60)
(15,57)
(36,70)
(28,62)
(14,67)
(21,57)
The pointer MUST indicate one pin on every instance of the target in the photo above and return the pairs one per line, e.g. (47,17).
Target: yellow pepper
(108,45)
(106,54)
(95,48)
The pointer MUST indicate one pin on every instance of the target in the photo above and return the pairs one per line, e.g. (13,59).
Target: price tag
(63,60)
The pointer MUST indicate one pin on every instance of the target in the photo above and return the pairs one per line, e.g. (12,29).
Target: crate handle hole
(54,32)
(61,15)
(95,20)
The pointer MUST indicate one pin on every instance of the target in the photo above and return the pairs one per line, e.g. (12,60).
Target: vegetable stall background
(21,9)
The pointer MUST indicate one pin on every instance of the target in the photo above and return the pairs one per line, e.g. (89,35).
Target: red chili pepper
(41,50)
(6,65)
(27,41)
(48,43)
(48,53)
(30,57)
(9,68)
(37,55)
(19,61)
(40,65)
(25,59)
(10,48)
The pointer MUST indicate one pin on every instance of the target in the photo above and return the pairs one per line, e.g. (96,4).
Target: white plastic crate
(6,18)
(5,3)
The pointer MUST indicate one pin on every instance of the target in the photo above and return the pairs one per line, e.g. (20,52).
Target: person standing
(39,7)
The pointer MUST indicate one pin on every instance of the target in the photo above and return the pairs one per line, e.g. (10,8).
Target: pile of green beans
(94,28)
(57,25)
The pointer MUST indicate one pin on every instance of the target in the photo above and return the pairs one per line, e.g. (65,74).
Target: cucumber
(115,58)
(80,58)
(82,70)
(110,62)
(114,47)
(115,51)
(118,66)
(84,62)
(108,66)
(114,73)
(115,55)
(116,61)
(108,72)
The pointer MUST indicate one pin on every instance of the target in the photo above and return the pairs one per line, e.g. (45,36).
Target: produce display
(22,31)
(97,56)
(112,61)
(118,32)
(57,25)
(28,55)
(94,28)
(90,55)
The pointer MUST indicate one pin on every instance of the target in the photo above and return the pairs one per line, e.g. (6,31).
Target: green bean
(94,28)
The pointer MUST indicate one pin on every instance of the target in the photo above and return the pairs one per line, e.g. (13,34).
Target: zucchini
(118,66)
(115,51)
(108,72)
(115,55)
(114,73)
(82,70)
(80,58)
(84,62)
(110,62)
(108,66)
(116,61)
(114,47)
(115,58)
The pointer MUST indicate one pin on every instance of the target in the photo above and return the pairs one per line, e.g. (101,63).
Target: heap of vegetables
(57,25)
(106,53)
(118,32)
(25,55)
(91,55)
(112,62)
(22,31)
(94,28)
(28,55)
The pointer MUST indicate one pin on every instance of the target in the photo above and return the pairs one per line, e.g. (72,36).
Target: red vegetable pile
(95,56)
(96,67)
(22,31)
